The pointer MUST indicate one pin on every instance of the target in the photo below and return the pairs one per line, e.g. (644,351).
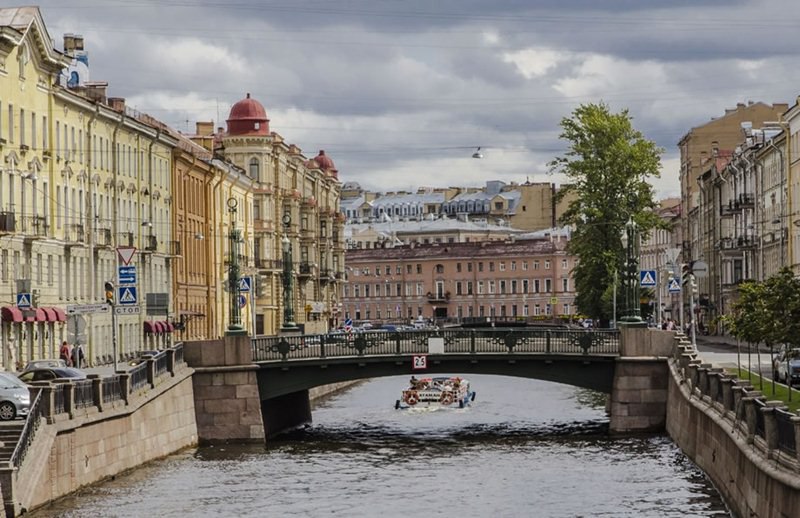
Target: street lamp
(630,273)
(289,325)
(235,318)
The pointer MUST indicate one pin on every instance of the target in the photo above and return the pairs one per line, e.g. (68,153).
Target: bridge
(583,358)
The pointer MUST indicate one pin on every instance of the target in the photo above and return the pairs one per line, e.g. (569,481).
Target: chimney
(204,128)
(78,39)
(117,104)
(96,90)
(69,44)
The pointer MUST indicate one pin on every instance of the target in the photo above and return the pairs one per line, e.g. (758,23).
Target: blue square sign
(647,279)
(126,295)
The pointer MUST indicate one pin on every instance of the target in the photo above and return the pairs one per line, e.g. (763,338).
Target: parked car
(50,373)
(787,361)
(15,399)
(51,362)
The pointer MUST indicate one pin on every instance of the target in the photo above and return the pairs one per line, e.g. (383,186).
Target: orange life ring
(412,398)
(447,398)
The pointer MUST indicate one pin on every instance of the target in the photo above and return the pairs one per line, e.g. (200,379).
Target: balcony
(726,243)
(76,233)
(8,222)
(730,209)
(269,264)
(263,225)
(747,242)
(125,239)
(305,269)
(103,237)
(307,235)
(150,243)
(438,298)
(747,200)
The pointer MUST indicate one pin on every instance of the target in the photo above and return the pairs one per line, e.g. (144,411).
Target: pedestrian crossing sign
(674,286)
(24,300)
(126,295)
(647,278)
(244,285)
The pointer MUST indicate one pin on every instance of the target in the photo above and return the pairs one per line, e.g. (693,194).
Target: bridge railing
(66,398)
(455,341)
(770,427)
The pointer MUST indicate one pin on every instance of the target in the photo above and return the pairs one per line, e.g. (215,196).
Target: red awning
(11,314)
(148,327)
(41,316)
(168,327)
(34,315)
(50,315)
(60,315)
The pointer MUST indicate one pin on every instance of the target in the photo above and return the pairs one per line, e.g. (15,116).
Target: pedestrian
(64,353)
(77,356)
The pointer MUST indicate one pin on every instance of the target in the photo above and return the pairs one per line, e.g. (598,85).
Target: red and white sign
(419,362)
(125,253)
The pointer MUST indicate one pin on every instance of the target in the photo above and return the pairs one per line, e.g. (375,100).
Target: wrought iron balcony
(305,269)
(125,239)
(269,264)
(438,298)
(747,200)
(103,237)
(151,243)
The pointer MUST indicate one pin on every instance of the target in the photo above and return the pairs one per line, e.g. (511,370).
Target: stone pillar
(47,402)
(750,409)
(771,426)
(796,422)
(97,390)
(227,402)
(171,361)
(125,385)
(726,385)
(151,370)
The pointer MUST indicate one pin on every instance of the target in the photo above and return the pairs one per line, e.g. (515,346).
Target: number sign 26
(420,362)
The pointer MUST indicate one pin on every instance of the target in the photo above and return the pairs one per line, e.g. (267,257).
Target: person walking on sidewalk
(77,356)
(65,353)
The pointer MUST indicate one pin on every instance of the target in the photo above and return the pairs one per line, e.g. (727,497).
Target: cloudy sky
(400,93)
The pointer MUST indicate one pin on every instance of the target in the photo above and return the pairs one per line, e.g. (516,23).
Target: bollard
(97,390)
(771,426)
(124,385)
(726,385)
(171,361)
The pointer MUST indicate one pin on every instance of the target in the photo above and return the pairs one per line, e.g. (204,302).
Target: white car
(787,361)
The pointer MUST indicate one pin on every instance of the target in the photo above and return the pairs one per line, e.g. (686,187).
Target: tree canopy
(607,164)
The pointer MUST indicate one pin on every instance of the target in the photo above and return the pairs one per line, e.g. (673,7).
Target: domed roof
(324,162)
(248,117)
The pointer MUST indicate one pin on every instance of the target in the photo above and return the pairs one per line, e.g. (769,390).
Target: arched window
(254,172)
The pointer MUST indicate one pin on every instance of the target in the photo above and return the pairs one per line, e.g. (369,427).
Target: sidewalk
(730,342)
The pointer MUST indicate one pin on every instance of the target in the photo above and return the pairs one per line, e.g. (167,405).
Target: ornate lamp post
(234,237)
(630,273)
(288,282)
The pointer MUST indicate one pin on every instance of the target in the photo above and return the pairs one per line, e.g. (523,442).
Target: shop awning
(11,314)
(168,327)
(50,315)
(148,327)
(33,315)
(61,316)
(157,326)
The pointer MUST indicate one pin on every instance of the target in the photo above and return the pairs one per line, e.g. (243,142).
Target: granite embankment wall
(745,445)
(83,444)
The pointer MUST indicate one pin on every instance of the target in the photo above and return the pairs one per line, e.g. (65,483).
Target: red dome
(323,161)
(248,117)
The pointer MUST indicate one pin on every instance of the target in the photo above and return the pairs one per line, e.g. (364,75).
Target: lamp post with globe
(289,325)
(630,274)
(234,238)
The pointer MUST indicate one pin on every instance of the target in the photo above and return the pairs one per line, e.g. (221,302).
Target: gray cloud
(400,92)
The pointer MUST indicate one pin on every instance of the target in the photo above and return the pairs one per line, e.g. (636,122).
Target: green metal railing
(456,341)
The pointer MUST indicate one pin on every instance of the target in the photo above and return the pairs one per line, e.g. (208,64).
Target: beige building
(513,279)
(655,254)
(292,197)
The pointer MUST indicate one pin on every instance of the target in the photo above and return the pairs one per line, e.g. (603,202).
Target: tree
(607,164)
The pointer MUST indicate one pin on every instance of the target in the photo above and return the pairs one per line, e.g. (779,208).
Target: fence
(64,397)
(456,341)
(771,427)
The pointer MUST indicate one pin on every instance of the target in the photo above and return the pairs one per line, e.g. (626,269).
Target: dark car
(51,373)
(38,364)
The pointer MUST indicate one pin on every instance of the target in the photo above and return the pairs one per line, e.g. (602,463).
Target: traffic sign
(419,362)
(23,300)
(127,310)
(242,301)
(244,284)
(126,295)
(674,286)
(80,309)
(647,278)
(125,253)
(126,274)
(700,269)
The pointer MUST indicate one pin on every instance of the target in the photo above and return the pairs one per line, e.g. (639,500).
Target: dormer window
(257,126)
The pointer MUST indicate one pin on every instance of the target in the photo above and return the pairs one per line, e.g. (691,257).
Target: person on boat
(413,382)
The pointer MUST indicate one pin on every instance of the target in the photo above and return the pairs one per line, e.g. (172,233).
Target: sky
(401,93)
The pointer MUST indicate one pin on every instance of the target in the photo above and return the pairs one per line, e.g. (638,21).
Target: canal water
(524,448)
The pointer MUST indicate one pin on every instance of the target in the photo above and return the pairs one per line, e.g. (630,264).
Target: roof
(429,225)
(484,249)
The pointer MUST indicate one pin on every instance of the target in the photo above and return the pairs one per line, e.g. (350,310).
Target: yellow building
(80,178)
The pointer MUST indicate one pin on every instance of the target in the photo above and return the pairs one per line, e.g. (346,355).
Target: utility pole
(109,292)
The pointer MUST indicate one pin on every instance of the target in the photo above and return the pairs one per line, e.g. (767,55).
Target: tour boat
(441,391)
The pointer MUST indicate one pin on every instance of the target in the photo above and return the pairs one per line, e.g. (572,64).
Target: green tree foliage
(607,164)
(768,311)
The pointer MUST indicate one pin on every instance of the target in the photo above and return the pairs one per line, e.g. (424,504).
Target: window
(564,263)
(469,267)
(524,285)
(513,286)
(458,267)
(564,284)
(502,287)
(408,268)
(480,266)
(524,265)
(536,285)
(11,123)
(22,140)
(480,287)
(491,287)
(458,288)
(498,205)
(254,169)
(469,287)
(419,268)
(419,288)
(502,266)
(536,264)
(548,285)
(366,291)
(513,266)
(398,270)
(491,266)
(547,264)
(388,270)
(439,268)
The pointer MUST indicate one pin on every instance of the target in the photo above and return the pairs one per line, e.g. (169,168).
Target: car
(51,362)
(50,373)
(788,360)
(15,399)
